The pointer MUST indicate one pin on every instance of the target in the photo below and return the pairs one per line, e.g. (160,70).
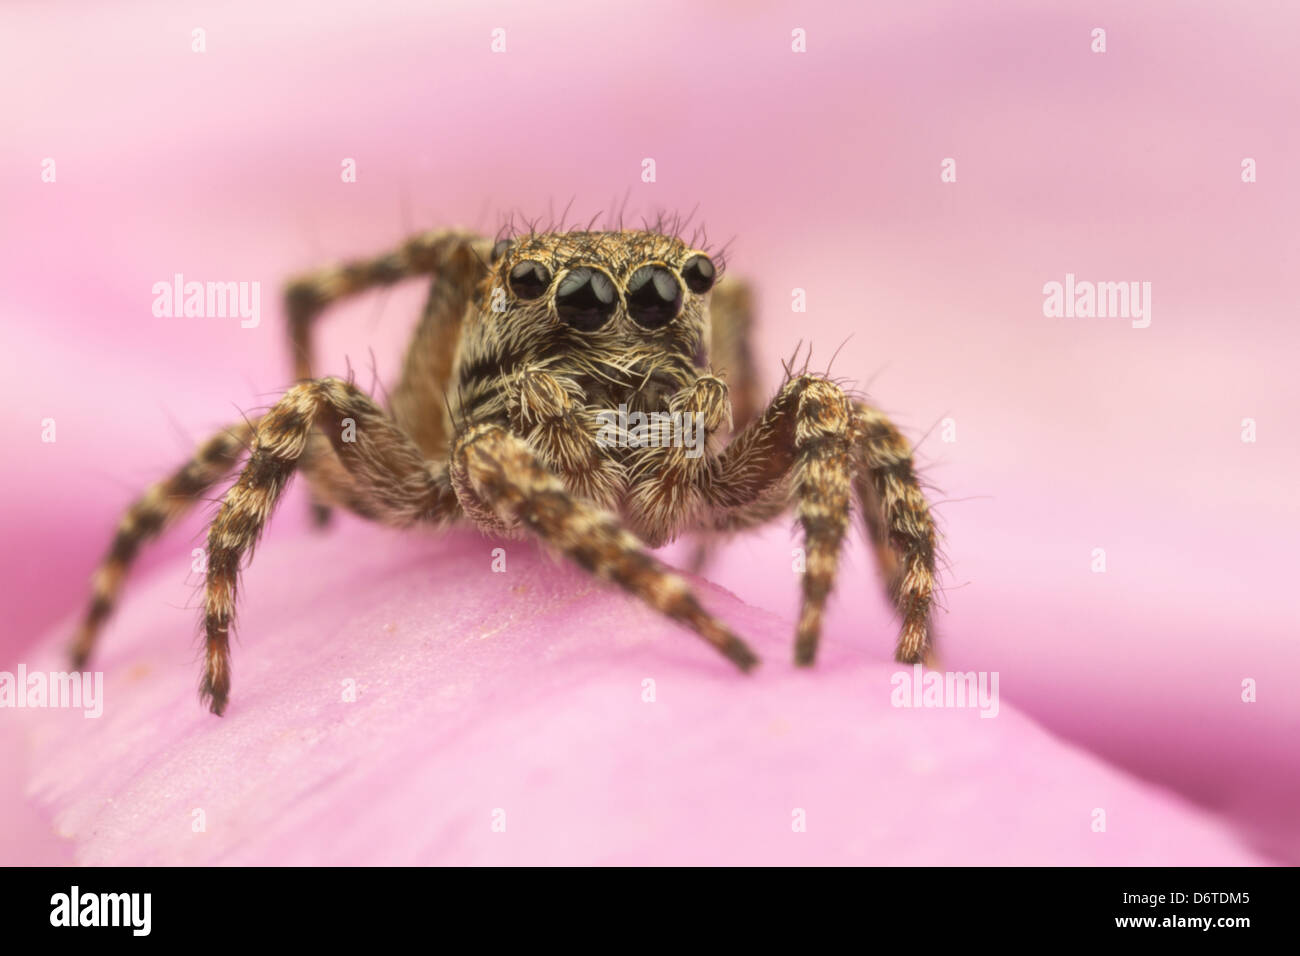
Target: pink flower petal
(484,696)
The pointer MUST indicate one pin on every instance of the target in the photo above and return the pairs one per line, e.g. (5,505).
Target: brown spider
(522,350)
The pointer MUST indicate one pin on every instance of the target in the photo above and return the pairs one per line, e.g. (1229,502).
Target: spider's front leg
(495,473)
(153,512)
(384,477)
(815,444)
(899,524)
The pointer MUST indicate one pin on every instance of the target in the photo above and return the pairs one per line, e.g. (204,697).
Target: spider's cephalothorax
(568,330)
(571,386)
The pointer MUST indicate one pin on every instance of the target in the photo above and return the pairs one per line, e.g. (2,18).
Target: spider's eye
(500,248)
(654,297)
(586,298)
(529,279)
(698,274)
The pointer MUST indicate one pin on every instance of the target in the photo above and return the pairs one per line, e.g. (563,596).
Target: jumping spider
(520,345)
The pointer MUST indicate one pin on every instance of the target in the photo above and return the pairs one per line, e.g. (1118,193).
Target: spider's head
(619,295)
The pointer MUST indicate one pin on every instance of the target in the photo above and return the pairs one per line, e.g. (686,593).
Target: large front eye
(529,279)
(586,298)
(654,297)
(698,274)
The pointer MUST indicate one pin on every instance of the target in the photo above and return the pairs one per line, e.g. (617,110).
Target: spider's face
(619,293)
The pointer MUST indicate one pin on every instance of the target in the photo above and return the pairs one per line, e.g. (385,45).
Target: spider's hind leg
(455,258)
(731,356)
(731,312)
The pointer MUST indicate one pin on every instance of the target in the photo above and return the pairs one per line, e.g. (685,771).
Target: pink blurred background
(822,170)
